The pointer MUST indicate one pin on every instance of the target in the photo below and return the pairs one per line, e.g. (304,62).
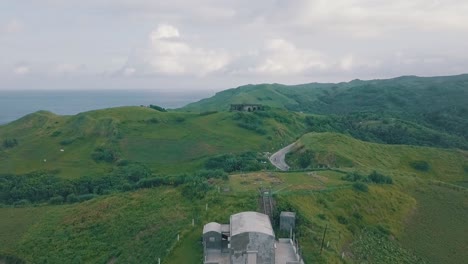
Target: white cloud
(347,63)
(283,57)
(68,68)
(13,26)
(129,71)
(164,31)
(371,18)
(169,54)
(21,70)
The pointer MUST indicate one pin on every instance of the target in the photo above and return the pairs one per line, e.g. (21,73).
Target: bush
(56,133)
(72,198)
(420,165)
(22,202)
(376,177)
(305,159)
(105,154)
(85,197)
(361,187)
(158,108)
(352,177)
(207,113)
(150,182)
(67,141)
(10,143)
(56,200)
(152,120)
(342,220)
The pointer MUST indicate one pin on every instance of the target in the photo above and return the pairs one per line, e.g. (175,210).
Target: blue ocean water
(15,104)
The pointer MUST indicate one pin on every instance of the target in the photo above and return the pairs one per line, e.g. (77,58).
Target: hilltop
(437,105)
(379,164)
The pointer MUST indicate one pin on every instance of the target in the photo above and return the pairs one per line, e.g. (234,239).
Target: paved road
(277,159)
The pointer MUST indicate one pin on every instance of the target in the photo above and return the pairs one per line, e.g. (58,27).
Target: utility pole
(323,238)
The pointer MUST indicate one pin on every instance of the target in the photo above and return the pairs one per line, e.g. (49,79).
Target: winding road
(277,159)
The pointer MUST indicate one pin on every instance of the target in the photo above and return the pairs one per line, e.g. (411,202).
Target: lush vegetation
(380,165)
(405,110)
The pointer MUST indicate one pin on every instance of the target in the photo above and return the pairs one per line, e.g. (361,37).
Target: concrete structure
(252,238)
(287,221)
(246,107)
(248,239)
(212,236)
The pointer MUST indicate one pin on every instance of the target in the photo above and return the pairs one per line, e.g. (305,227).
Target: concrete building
(248,239)
(287,221)
(252,238)
(246,107)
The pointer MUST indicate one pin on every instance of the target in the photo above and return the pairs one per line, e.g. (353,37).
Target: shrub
(376,177)
(10,143)
(104,154)
(342,220)
(322,216)
(72,198)
(305,159)
(207,113)
(157,108)
(85,197)
(150,182)
(56,200)
(152,120)
(420,165)
(22,202)
(352,177)
(357,215)
(361,187)
(56,133)
(67,141)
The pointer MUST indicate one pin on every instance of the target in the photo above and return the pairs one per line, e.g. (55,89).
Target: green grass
(131,227)
(337,150)
(175,142)
(437,227)
(15,222)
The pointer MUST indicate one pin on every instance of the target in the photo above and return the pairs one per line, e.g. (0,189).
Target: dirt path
(277,159)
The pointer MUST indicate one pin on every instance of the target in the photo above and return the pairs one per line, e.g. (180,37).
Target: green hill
(436,103)
(164,141)
(381,165)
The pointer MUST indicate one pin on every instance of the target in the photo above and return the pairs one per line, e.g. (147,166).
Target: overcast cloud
(218,44)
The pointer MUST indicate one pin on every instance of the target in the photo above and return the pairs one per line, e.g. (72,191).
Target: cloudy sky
(218,44)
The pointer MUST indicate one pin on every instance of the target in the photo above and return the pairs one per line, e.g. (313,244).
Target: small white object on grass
(45,160)
(62,150)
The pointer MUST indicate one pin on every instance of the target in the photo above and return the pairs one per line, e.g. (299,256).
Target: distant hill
(437,103)
(406,93)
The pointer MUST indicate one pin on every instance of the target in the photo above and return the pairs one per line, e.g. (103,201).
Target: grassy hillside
(340,151)
(435,103)
(166,142)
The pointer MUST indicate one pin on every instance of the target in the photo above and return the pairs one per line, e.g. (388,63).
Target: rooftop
(250,222)
(213,226)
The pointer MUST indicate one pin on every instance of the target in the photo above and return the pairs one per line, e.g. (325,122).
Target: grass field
(139,226)
(337,150)
(437,228)
(167,142)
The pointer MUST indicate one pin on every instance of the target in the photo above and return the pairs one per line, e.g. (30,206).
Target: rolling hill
(381,165)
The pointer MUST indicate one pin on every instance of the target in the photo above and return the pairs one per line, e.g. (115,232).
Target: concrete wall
(287,221)
(212,240)
(262,243)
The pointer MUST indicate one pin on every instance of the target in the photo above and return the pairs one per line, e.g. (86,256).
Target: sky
(218,44)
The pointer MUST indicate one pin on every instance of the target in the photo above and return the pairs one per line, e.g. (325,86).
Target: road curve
(277,159)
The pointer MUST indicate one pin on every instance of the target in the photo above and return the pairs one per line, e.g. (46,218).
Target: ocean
(15,104)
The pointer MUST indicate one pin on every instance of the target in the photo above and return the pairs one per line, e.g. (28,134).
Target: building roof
(251,222)
(289,214)
(212,227)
